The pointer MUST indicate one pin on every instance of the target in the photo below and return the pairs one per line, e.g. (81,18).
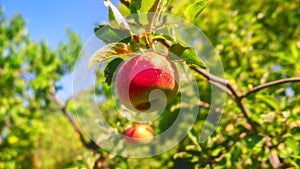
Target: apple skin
(140,75)
(139,134)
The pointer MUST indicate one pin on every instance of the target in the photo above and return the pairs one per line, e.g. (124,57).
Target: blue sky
(49,19)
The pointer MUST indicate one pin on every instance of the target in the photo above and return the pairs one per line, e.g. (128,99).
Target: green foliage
(194,10)
(107,52)
(33,130)
(187,54)
(110,69)
(111,35)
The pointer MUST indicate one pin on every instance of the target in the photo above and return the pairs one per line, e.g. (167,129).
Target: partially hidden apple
(143,73)
(139,134)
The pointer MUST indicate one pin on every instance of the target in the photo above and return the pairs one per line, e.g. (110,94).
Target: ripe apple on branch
(139,134)
(140,75)
(143,62)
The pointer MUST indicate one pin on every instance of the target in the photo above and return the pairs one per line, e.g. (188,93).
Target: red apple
(143,73)
(139,133)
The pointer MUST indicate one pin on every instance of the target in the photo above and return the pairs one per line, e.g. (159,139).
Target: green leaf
(148,6)
(182,155)
(115,15)
(162,37)
(140,6)
(112,19)
(194,10)
(135,5)
(252,141)
(110,69)
(192,135)
(268,100)
(187,54)
(284,57)
(215,152)
(111,35)
(294,51)
(295,133)
(293,145)
(165,32)
(235,153)
(107,52)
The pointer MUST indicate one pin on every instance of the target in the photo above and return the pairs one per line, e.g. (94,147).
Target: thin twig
(203,104)
(215,80)
(207,106)
(209,76)
(269,84)
(273,155)
(220,86)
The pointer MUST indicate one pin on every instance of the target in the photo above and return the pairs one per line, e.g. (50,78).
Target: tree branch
(220,86)
(88,144)
(226,86)
(62,106)
(269,84)
(240,104)
(214,80)
(209,76)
